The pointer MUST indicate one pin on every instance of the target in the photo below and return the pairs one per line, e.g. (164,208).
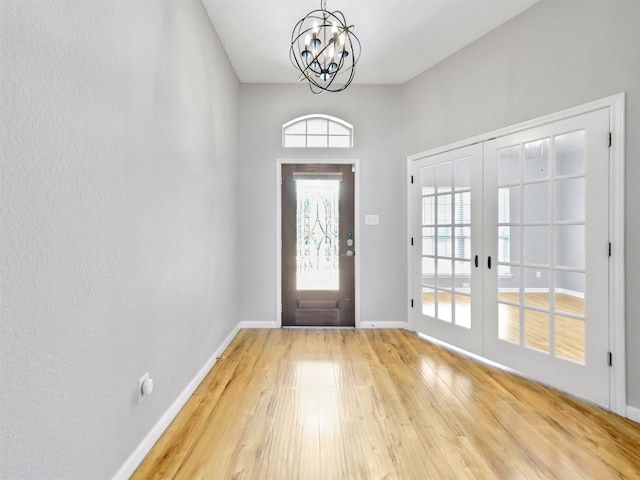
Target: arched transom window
(317,131)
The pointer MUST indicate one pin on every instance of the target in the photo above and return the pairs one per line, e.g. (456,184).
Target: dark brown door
(318,245)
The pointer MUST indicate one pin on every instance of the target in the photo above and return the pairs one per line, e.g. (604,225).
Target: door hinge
(609,248)
(353,169)
(610,139)
(609,359)
(412,303)
(411,179)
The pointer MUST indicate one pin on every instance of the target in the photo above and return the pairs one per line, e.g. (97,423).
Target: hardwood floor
(569,332)
(374,404)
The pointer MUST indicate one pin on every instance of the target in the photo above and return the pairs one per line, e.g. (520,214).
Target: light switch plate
(372,220)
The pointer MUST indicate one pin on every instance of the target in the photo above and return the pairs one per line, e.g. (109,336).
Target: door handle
(350,253)
(476,261)
(489,263)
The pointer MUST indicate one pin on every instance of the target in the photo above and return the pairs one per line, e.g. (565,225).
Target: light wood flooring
(381,404)
(569,331)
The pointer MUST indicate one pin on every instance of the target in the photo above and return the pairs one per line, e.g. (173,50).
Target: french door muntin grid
(446,241)
(551,178)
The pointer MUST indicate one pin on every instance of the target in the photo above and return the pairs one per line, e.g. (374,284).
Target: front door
(318,264)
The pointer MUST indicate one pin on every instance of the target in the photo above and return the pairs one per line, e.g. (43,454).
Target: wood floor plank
(362,404)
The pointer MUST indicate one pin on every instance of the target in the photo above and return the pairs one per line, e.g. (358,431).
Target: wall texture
(374,112)
(558,54)
(118,217)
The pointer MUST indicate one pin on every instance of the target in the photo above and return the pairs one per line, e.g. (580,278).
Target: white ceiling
(400,38)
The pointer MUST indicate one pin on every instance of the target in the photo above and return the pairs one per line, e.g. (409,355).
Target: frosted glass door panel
(317,235)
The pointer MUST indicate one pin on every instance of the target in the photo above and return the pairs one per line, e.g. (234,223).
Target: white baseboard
(633,413)
(258,325)
(158,429)
(403,325)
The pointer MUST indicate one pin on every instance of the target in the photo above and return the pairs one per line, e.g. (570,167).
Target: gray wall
(375,113)
(118,219)
(556,55)
(125,179)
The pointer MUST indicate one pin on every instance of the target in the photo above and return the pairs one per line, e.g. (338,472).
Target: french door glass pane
(509,323)
(428,271)
(317,234)
(536,203)
(463,173)
(536,159)
(446,241)
(570,335)
(536,329)
(536,287)
(536,245)
(428,241)
(463,310)
(570,153)
(569,201)
(569,292)
(542,235)
(428,302)
(444,172)
(444,306)
(570,246)
(509,165)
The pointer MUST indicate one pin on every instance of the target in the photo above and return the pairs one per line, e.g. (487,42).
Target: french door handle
(476,261)
(489,263)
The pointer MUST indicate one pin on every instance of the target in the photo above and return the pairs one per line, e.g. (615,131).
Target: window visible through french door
(459,245)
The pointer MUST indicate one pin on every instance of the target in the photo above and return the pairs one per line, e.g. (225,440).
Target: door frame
(356,226)
(617,319)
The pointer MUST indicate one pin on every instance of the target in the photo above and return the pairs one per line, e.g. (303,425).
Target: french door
(512,262)
(546,217)
(449,283)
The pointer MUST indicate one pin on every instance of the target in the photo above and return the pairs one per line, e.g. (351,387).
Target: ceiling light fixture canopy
(325,50)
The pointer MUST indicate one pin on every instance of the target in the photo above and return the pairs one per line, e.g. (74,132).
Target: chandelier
(325,50)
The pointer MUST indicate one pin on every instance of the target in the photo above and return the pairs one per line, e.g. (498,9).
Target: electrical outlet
(145,386)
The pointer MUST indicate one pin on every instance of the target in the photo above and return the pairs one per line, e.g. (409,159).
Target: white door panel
(546,308)
(447,281)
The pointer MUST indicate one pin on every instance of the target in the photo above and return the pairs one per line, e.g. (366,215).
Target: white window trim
(306,135)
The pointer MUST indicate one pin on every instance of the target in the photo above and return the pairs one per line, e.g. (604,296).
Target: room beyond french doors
(512,261)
